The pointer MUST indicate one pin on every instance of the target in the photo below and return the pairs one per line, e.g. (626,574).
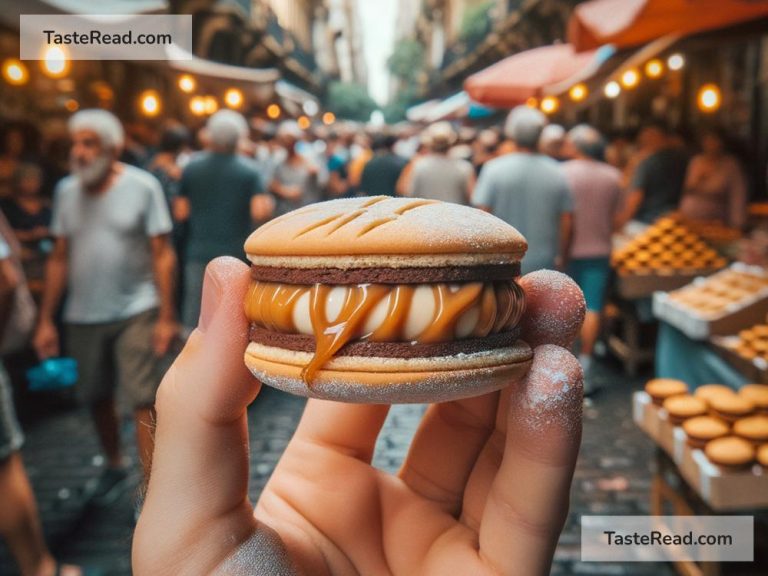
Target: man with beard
(113,256)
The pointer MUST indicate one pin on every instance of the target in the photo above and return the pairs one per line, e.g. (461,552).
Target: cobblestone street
(61,454)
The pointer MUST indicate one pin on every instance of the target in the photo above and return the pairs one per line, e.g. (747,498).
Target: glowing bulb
(197,106)
(329,118)
(15,72)
(273,111)
(233,98)
(676,62)
(578,92)
(72,105)
(55,62)
(149,100)
(303,122)
(210,104)
(612,89)
(550,104)
(709,98)
(654,68)
(187,83)
(630,78)
(532,102)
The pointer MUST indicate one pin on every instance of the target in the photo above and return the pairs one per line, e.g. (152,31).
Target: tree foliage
(476,22)
(350,100)
(407,60)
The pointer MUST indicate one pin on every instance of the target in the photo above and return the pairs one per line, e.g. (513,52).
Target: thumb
(200,463)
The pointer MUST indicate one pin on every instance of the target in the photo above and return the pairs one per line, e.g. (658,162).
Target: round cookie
(385,300)
(659,389)
(757,393)
(752,428)
(684,406)
(731,408)
(730,453)
(702,429)
(762,456)
(709,391)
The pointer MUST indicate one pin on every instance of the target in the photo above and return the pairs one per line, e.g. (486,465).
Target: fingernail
(210,302)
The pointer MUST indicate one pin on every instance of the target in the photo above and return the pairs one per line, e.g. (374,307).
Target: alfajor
(383,300)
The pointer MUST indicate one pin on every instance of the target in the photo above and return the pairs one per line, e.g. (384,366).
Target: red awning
(516,78)
(627,23)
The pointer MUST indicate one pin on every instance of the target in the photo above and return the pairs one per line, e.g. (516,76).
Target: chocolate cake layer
(423,275)
(306,343)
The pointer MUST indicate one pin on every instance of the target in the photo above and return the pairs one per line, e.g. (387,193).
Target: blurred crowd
(110,230)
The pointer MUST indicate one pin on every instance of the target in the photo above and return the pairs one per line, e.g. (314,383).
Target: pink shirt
(596,190)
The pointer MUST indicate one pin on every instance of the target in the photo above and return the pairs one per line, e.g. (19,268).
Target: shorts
(11,437)
(116,353)
(592,275)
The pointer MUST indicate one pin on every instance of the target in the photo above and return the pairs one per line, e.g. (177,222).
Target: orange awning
(627,23)
(516,78)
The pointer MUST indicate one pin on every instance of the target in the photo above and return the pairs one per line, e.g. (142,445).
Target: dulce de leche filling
(415,313)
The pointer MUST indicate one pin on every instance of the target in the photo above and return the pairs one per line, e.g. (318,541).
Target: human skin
(484,489)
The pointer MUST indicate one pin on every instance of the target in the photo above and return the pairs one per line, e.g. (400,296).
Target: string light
(550,104)
(55,62)
(72,105)
(676,62)
(532,102)
(612,89)
(233,98)
(210,104)
(630,78)
(654,68)
(197,105)
(304,122)
(187,83)
(329,118)
(709,98)
(578,92)
(273,111)
(15,72)
(149,101)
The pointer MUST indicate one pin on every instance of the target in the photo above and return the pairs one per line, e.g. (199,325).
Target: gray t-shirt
(110,258)
(441,178)
(529,192)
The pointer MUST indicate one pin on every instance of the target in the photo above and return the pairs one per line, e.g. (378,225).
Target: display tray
(633,286)
(753,370)
(734,317)
(723,491)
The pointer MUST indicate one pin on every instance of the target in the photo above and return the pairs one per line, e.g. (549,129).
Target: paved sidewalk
(61,455)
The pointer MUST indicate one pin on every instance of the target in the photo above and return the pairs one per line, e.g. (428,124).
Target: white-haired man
(528,190)
(221,198)
(114,258)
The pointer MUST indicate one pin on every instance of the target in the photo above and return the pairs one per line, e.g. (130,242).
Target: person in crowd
(166,165)
(295,181)
(596,189)
(404,182)
(360,153)
(529,191)
(20,526)
(715,187)
(484,148)
(28,213)
(619,150)
(437,175)
(657,182)
(552,142)
(113,256)
(382,172)
(336,158)
(221,197)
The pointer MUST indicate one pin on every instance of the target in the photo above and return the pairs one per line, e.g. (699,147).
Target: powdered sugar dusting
(550,397)
(555,308)
(436,387)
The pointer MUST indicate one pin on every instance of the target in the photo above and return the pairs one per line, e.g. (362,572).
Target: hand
(484,489)
(163,336)
(46,340)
